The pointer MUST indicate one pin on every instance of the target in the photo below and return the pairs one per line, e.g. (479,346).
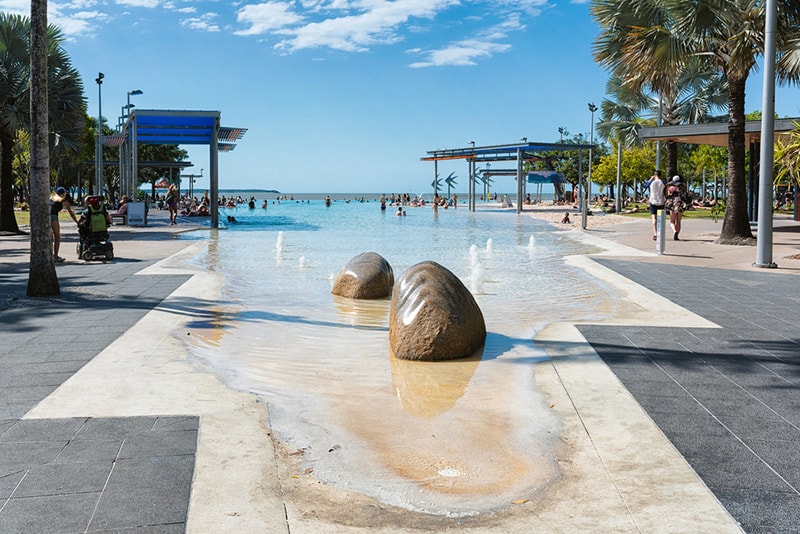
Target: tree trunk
(671,152)
(736,224)
(8,221)
(42,278)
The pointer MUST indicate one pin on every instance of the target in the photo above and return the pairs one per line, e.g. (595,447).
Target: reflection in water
(210,330)
(427,389)
(362,312)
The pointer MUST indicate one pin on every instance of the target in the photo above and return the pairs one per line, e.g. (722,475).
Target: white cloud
(75,23)
(187,10)
(79,4)
(463,53)
(378,24)
(139,3)
(266,17)
(17,7)
(205,22)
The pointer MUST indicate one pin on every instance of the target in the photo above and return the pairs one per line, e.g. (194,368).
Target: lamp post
(124,114)
(135,92)
(592,109)
(581,186)
(129,179)
(767,161)
(98,172)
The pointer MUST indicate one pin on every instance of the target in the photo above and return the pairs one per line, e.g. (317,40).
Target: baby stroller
(94,240)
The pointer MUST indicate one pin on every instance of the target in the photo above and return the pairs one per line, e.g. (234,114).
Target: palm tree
(648,41)
(42,278)
(683,89)
(66,105)
(787,158)
(731,34)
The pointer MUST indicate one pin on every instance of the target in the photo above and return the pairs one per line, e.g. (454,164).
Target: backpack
(97,219)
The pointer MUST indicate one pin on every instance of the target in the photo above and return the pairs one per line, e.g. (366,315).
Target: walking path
(105,424)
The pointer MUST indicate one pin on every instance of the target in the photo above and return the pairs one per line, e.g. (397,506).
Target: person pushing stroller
(94,240)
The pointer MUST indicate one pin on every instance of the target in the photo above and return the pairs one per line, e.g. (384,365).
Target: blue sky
(347,95)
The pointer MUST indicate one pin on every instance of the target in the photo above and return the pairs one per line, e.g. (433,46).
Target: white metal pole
(98,176)
(764,242)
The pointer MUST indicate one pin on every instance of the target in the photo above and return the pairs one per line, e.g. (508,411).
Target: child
(565,218)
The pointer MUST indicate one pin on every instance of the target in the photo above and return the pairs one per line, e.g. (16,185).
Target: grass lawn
(24,217)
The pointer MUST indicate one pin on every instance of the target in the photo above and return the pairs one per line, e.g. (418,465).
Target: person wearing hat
(676,205)
(59,201)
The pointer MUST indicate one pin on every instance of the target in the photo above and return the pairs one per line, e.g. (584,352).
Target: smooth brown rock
(433,316)
(366,276)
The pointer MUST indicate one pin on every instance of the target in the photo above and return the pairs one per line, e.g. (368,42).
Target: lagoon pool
(450,438)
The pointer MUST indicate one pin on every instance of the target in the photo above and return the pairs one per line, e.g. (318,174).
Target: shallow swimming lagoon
(449,438)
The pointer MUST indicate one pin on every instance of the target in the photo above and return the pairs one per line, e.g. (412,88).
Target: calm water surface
(452,438)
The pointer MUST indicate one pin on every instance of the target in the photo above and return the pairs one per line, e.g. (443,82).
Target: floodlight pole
(582,185)
(765,186)
(98,175)
(592,109)
(127,172)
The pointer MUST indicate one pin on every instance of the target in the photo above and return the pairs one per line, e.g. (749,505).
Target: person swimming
(231,219)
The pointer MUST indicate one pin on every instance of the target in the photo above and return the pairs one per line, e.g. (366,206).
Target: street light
(135,92)
(126,170)
(125,114)
(98,175)
(592,109)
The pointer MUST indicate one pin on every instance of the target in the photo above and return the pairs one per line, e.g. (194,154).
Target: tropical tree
(709,159)
(42,278)
(66,103)
(649,40)
(166,153)
(637,164)
(626,48)
(787,158)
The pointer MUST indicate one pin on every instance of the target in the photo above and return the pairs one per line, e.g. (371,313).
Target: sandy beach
(554,213)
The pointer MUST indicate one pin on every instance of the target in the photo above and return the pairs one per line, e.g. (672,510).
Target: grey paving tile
(9,482)
(19,395)
(172,423)
(15,455)
(52,513)
(152,472)
(34,379)
(15,410)
(63,479)
(751,428)
(696,424)
(43,430)
(163,443)
(46,366)
(760,511)
(111,428)
(85,450)
(140,507)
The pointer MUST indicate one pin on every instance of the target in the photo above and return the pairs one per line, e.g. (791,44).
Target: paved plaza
(684,416)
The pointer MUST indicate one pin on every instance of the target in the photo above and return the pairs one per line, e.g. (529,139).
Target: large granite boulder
(433,316)
(366,276)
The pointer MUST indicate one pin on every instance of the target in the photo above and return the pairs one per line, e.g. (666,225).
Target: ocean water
(453,438)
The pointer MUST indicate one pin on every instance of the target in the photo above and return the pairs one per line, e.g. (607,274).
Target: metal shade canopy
(519,152)
(175,127)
